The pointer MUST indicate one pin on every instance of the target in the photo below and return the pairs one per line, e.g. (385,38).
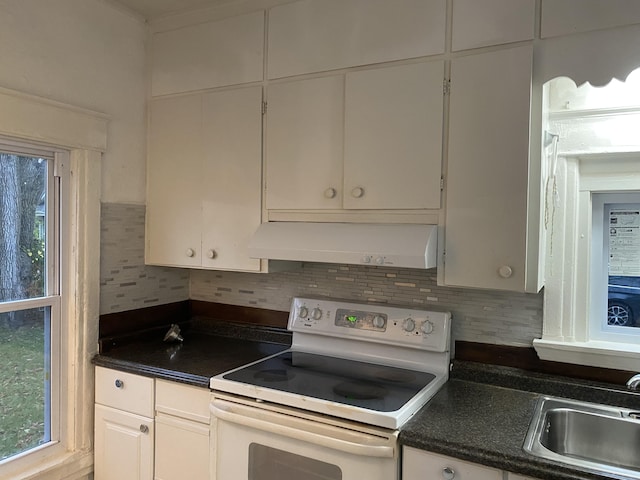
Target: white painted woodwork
(135,395)
(34,118)
(181,449)
(564,17)
(423,465)
(184,401)
(207,55)
(595,57)
(486,209)
(479,23)
(304,143)
(320,35)
(204,187)
(174,182)
(232,177)
(393,137)
(123,445)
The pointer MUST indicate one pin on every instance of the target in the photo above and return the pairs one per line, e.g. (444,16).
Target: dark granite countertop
(476,417)
(202,354)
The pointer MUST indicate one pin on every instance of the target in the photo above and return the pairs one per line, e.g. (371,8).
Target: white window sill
(53,467)
(618,356)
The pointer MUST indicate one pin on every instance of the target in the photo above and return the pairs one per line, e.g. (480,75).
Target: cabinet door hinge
(446,86)
(442,183)
(264,108)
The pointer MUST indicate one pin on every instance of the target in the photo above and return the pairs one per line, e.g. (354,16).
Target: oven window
(266,463)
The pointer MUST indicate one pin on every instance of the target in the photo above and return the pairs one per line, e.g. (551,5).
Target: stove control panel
(422,329)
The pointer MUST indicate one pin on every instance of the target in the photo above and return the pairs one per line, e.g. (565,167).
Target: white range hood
(391,245)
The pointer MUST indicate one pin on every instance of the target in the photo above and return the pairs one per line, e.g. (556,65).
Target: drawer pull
(144,429)
(448,473)
(119,383)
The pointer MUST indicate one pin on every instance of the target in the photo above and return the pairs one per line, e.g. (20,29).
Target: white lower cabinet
(133,442)
(124,427)
(421,465)
(182,432)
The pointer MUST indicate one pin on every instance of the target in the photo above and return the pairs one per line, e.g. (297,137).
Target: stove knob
(316,314)
(409,324)
(303,312)
(426,327)
(378,321)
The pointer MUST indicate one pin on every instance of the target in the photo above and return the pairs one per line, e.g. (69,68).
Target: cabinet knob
(119,383)
(330,193)
(505,271)
(357,192)
(448,473)
(190,252)
(212,254)
(144,429)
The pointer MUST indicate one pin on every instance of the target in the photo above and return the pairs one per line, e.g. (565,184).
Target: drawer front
(124,391)
(183,401)
(422,465)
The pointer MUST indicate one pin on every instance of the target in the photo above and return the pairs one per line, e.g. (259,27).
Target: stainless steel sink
(592,437)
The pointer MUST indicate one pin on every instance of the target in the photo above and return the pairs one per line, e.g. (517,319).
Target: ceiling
(151,9)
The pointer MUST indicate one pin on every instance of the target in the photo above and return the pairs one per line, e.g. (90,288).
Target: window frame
(567,309)
(83,133)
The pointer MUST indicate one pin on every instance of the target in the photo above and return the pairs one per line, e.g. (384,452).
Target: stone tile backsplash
(478,315)
(127,284)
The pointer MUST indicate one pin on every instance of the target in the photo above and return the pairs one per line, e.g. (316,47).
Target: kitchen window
(63,145)
(592,196)
(30,297)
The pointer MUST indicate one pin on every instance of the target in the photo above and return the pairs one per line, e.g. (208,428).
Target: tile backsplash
(478,315)
(127,284)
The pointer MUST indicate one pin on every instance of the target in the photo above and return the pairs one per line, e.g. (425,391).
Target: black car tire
(619,314)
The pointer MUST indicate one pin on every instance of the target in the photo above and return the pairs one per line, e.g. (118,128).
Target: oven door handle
(300,429)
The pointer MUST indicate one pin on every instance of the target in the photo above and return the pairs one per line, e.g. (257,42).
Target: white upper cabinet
(479,23)
(208,55)
(232,177)
(320,35)
(174,181)
(393,137)
(304,144)
(204,179)
(487,204)
(367,140)
(563,17)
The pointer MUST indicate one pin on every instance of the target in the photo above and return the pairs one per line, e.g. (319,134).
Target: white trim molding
(38,119)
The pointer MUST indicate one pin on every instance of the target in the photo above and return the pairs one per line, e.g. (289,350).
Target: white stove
(373,364)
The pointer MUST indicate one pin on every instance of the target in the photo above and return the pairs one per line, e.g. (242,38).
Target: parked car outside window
(624,301)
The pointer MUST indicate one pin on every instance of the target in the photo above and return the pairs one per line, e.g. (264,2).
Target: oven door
(260,444)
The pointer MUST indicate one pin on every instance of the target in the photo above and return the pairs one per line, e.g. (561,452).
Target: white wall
(89,54)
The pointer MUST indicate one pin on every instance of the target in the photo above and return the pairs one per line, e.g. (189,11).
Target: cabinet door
(478,23)
(304,144)
(182,449)
(393,137)
(422,465)
(232,177)
(319,35)
(174,182)
(208,55)
(123,445)
(486,209)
